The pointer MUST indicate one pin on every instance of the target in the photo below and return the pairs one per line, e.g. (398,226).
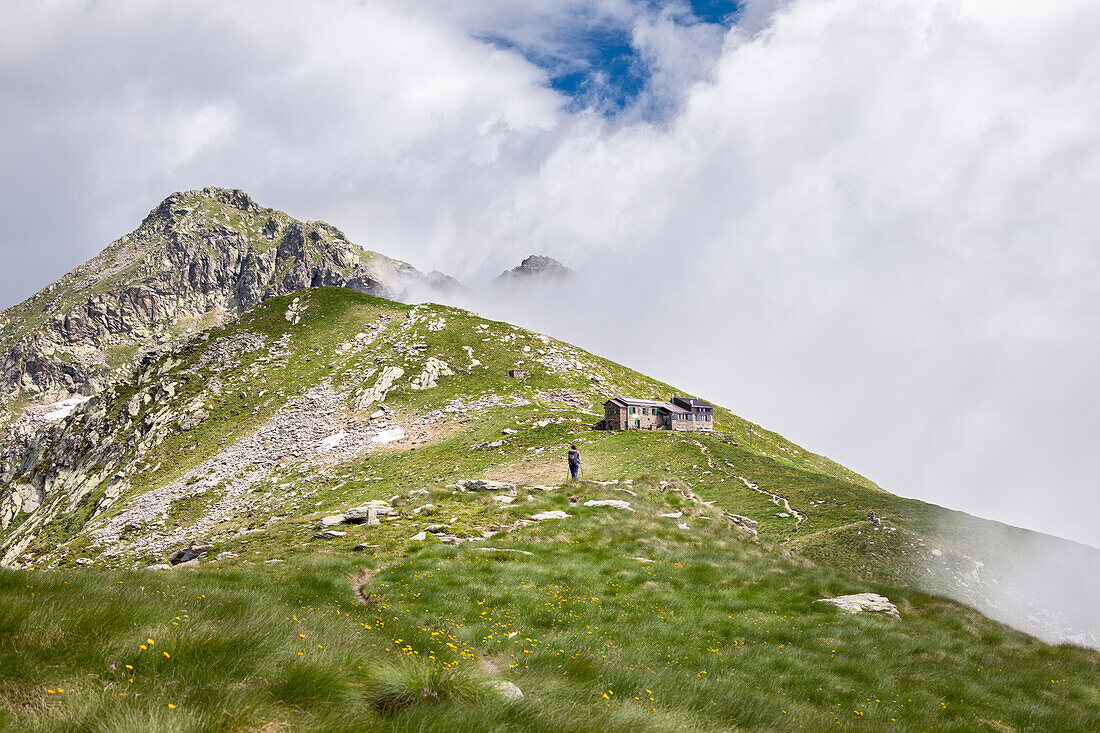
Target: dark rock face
(535,268)
(198,255)
(191,552)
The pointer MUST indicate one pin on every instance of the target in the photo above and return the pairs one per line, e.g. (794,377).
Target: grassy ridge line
(253,392)
(707,632)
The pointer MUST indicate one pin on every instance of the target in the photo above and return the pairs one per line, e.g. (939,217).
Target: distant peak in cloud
(534,269)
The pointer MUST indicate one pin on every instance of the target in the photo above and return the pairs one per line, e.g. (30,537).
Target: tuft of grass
(406,681)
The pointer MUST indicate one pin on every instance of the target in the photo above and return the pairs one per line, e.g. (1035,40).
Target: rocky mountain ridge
(197,258)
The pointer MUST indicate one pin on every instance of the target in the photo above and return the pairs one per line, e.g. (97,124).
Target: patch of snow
(332,441)
(64,407)
(389,436)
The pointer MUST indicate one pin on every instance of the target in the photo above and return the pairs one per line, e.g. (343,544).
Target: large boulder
(551,514)
(863,603)
(191,552)
(743,523)
(616,503)
(368,513)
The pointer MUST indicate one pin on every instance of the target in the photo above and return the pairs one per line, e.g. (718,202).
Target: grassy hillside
(343,341)
(607,620)
(248,435)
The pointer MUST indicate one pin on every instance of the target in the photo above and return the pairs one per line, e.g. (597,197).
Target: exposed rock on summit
(197,258)
(534,269)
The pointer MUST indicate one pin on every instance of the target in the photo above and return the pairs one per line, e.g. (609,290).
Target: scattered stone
(329,444)
(226,555)
(272,561)
(673,515)
(552,514)
(627,491)
(433,369)
(426,509)
(418,492)
(681,525)
(189,564)
(377,393)
(483,485)
(419,537)
(502,549)
(330,521)
(641,559)
(368,513)
(509,431)
(84,561)
(488,444)
(742,521)
(617,503)
(435,528)
(863,602)
(191,552)
(503,498)
(783,515)
(159,566)
(542,488)
(362,546)
(328,534)
(508,690)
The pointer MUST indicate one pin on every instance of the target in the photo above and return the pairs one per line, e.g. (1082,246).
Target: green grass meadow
(608,620)
(616,621)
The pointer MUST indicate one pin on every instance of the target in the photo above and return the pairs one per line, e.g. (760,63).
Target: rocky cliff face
(196,258)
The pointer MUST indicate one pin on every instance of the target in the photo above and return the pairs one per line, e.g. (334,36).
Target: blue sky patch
(596,66)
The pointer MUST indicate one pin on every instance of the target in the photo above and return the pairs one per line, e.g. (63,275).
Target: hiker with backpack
(574,462)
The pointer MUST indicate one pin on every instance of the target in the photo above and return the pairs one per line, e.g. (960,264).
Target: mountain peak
(535,268)
(198,256)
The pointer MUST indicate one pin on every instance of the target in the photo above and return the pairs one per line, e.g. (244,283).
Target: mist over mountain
(595,365)
(202,260)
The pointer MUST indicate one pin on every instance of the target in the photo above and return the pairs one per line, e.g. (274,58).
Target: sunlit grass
(714,633)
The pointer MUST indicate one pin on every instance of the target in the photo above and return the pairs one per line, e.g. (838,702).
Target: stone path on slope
(776,499)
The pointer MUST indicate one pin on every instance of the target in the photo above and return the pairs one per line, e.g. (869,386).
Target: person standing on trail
(574,462)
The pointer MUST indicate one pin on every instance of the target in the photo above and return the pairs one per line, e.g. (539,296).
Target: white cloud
(360,112)
(877,216)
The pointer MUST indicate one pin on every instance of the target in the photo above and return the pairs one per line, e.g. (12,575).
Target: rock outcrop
(863,603)
(197,258)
